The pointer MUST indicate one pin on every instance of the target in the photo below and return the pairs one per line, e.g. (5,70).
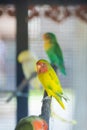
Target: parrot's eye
(43,65)
(47,36)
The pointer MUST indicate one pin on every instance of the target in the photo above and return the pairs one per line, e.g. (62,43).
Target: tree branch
(20,88)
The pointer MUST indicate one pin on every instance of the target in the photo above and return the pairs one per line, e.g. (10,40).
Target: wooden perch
(46,108)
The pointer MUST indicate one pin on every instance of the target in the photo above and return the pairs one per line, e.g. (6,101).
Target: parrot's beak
(41,68)
(38,67)
(40,125)
(44,37)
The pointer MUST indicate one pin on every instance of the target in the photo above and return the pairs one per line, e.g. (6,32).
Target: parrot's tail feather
(59,99)
(64,97)
(63,71)
(62,68)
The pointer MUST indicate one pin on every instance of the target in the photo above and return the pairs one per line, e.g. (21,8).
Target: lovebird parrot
(54,51)
(50,81)
(28,61)
(32,123)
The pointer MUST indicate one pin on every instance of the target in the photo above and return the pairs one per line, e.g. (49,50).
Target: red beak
(41,68)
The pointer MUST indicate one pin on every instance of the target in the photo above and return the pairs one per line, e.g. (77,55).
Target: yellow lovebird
(50,81)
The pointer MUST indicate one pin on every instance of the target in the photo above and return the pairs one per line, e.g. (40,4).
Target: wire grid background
(71,35)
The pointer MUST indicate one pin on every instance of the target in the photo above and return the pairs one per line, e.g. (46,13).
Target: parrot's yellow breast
(47,45)
(49,83)
(44,78)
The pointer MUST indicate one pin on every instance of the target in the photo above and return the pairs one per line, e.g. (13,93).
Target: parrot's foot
(46,98)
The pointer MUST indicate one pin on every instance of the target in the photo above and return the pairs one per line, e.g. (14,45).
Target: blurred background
(69,23)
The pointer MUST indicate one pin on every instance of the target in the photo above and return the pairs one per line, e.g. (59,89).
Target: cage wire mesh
(71,35)
(7,70)
(8,111)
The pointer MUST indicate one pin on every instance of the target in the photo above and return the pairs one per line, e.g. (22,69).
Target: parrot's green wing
(56,86)
(52,56)
(58,52)
(58,57)
(24,124)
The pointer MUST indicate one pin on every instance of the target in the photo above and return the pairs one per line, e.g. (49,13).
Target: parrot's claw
(46,98)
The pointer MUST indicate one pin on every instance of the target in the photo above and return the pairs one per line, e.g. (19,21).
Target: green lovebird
(32,123)
(54,51)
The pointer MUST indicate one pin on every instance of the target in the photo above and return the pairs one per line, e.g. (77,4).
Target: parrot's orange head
(40,125)
(46,36)
(49,37)
(41,66)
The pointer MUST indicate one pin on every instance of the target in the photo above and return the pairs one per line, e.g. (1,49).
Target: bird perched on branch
(32,123)
(54,51)
(29,68)
(50,81)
